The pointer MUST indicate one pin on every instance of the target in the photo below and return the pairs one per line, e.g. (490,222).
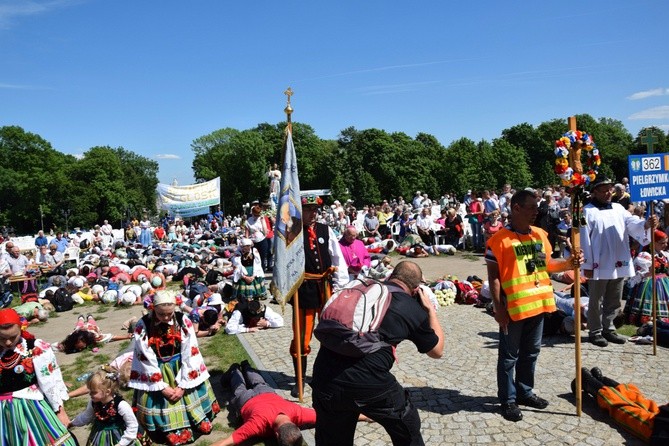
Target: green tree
(32,178)
(239,158)
(98,188)
(537,146)
(508,165)
(461,165)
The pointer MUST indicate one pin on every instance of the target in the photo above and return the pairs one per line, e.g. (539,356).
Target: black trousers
(338,408)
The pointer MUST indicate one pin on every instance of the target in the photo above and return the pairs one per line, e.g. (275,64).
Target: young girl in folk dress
(114,422)
(174,400)
(249,277)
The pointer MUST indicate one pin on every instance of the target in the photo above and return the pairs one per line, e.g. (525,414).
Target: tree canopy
(40,185)
(371,165)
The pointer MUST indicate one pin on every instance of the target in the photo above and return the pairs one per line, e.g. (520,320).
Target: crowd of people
(220,265)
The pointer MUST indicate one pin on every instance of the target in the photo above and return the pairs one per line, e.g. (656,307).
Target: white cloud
(167,156)
(661,112)
(648,94)
(11,9)
(664,127)
(393,88)
(21,87)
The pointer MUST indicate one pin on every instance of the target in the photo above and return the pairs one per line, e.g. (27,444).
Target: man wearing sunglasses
(519,263)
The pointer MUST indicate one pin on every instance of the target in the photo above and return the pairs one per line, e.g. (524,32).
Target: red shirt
(260,412)
(159,233)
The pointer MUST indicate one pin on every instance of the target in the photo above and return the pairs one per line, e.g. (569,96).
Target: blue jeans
(518,351)
(477,235)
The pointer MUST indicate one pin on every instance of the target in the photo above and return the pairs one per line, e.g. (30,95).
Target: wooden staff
(298,345)
(653,285)
(575,163)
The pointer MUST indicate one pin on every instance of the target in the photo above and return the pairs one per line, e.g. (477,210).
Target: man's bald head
(408,273)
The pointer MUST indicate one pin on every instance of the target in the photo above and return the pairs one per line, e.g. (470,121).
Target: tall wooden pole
(574,163)
(653,284)
(297,331)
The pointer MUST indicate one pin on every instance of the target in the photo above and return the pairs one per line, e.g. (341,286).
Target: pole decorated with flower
(568,166)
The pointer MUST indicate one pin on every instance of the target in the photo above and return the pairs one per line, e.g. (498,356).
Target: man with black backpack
(346,386)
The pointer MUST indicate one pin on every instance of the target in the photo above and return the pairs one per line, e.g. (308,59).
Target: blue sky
(152,76)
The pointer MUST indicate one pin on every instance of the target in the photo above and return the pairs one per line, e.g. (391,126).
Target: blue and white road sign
(649,176)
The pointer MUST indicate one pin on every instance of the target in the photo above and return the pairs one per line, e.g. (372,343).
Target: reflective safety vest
(521,261)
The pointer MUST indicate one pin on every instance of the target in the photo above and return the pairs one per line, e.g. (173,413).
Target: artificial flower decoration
(312,199)
(567,175)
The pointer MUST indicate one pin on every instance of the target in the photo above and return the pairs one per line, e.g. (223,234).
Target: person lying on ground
(627,406)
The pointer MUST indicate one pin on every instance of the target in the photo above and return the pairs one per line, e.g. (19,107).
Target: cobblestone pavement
(456,395)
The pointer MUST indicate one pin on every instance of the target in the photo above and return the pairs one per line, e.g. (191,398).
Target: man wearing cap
(324,268)
(605,244)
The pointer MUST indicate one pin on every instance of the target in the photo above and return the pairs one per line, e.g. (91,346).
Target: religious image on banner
(289,221)
(288,242)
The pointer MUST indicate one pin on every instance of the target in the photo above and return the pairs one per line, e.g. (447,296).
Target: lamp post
(66,213)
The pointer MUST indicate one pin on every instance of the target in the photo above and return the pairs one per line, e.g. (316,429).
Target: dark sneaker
(227,376)
(511,412)
(598,340)
(533,401)
(614,337)
(245,366)
(597,373)
(645,330)
(294,391)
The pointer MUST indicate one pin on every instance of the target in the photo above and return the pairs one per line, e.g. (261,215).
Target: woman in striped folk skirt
(174,401)
(31,389)
(639,306)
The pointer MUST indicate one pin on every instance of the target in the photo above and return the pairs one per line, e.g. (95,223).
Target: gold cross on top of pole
(288,109)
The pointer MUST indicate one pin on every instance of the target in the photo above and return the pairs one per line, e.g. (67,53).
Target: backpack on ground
(62,300)
(197,288)
(213,277)
(350,320)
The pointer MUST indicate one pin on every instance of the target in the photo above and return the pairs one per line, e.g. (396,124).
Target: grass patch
(221,350)
(627,330)
(470,256)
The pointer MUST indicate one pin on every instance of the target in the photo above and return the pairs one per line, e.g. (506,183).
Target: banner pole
(653,284)
(575,248)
